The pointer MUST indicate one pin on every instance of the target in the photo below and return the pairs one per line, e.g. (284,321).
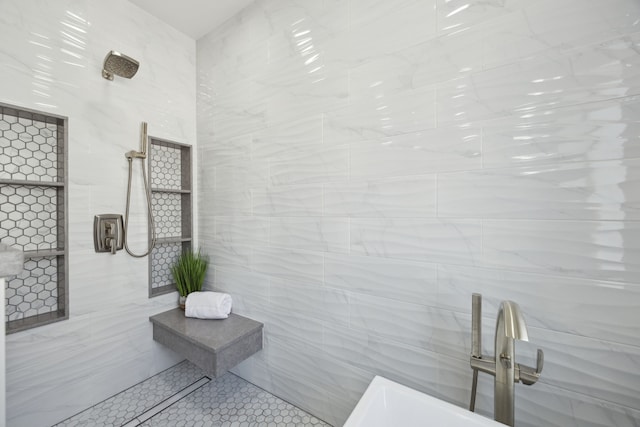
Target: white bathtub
(388,404)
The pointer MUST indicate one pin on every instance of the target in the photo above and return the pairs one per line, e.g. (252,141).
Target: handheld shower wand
(142,155)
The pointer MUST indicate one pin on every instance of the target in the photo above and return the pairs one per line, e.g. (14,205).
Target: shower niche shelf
(171,202)
(33,194)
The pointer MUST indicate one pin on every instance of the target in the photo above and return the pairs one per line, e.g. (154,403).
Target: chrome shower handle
(527,374)
(111,240)
(112,244)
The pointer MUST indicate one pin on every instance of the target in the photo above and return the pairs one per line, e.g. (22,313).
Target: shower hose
(147,193)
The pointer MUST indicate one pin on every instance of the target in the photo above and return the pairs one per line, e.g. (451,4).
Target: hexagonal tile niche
(28,217)
(167,212)
(28,149)
(34,291)
(166,167)
(32,194)
(162,258)
(170,178)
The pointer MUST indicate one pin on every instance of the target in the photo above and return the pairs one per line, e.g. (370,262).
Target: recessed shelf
(173,240)
(31,183)
(171,203)
(170,190)
(33,215)
(36,320)
(44,253)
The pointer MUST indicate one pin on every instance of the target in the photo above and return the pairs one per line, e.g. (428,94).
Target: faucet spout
(510,326)
(513,322)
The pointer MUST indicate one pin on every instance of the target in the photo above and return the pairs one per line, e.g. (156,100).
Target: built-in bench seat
(213,345)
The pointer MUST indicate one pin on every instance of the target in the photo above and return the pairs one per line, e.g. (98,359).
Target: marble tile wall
(51,56)
(367,165)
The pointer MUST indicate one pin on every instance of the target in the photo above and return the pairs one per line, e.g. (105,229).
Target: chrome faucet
(510,326)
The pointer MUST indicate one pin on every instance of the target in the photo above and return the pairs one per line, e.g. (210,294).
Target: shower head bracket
(107,75)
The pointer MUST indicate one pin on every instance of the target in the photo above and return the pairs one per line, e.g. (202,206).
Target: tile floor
(184,396)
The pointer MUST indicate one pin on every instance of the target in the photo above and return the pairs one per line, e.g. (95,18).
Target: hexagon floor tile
(230,401)
(227,401)
(138,399)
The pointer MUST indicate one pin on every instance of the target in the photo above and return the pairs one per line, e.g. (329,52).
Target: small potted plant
(188,272)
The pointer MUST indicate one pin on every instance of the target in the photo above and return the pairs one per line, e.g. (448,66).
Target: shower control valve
(108,233)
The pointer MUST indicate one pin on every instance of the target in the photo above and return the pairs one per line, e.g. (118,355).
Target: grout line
(155,410)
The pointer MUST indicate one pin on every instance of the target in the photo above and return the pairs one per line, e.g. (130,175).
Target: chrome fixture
(119,64)
(142,155)
(108,233)
(510,326)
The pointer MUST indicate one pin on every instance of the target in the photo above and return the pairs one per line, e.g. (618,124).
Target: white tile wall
(51,58)
(370,164)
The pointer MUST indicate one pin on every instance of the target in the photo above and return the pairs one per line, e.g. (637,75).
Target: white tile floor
(184,396)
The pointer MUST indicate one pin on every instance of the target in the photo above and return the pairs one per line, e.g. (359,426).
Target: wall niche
(33,215)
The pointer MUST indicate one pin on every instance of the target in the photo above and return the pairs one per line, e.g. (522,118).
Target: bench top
(209,334)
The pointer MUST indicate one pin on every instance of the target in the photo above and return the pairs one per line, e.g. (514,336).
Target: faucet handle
(528,375)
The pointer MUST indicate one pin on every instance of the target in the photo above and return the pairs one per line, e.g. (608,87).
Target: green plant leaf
(189,272)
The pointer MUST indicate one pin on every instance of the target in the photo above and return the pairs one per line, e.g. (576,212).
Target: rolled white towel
(208,305)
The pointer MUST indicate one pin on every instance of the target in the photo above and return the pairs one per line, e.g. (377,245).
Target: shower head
(119,64)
